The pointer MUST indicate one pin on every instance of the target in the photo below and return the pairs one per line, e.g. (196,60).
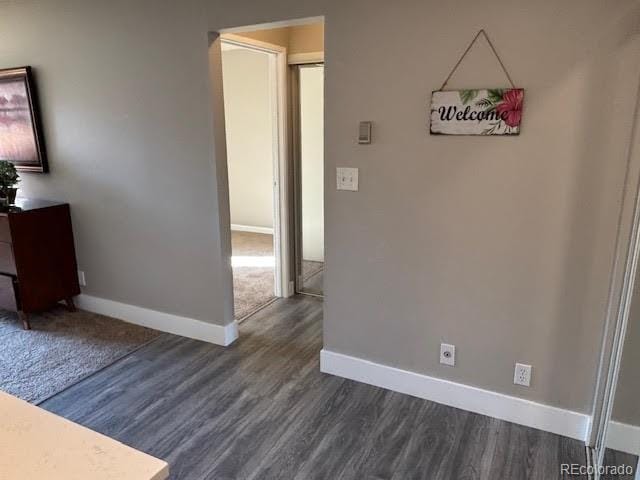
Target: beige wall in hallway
(501,246)
(249,129)
(306,38)
(297,39)
(275,36)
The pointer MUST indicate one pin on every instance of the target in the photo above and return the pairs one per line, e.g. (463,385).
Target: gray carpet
(312,277)
(311,268)
(60,349)
(253,271)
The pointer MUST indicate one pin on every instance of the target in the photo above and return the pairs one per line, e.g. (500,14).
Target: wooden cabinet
(37,257)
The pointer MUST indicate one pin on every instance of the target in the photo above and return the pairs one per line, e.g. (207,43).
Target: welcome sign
(477,112)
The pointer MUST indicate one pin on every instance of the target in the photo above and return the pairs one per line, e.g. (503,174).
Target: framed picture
(21,140)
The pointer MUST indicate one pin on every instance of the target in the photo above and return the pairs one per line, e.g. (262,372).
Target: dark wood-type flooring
(261,409)
(619,459)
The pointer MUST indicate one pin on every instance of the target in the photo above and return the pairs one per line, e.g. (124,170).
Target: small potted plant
(9,178)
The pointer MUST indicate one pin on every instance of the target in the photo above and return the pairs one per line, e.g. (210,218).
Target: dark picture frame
(21,139)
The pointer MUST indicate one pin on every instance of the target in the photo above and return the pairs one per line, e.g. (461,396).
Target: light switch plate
(347,179)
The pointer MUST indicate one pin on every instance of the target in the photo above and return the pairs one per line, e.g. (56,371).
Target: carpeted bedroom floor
(253,264)
(61,348)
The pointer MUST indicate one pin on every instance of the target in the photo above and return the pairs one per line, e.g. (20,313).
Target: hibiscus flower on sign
(496,111)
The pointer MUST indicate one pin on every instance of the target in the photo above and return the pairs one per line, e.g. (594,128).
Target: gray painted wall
(124,90)
(501,246)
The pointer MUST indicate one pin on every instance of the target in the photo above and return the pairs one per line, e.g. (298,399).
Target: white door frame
(278,101)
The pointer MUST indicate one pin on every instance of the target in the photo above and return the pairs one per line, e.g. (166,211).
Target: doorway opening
(261,136)
(253,103)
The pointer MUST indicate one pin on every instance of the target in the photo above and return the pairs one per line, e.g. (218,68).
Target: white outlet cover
(448,354)
(81,279)
(522,375)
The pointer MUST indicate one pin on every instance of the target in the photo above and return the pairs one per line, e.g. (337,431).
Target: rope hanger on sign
(493,49)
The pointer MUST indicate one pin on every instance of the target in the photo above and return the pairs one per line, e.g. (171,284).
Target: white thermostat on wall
(364,133)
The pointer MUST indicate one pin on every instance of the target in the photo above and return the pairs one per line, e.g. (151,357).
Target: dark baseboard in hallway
(261,409)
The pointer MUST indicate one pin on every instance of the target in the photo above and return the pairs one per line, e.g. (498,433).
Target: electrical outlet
(81,280)
(448,354)
(522,375)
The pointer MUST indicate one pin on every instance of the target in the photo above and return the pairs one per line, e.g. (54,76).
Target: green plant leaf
(485,102)
(467,95)
(8,175)
(495,95)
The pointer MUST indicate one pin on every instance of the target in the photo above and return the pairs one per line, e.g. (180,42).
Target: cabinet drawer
(7,263)
(5,231)
(7,294)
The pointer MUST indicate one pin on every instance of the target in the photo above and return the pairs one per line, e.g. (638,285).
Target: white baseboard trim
(624,437)
(512,409)
(250,228)
(164,322)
